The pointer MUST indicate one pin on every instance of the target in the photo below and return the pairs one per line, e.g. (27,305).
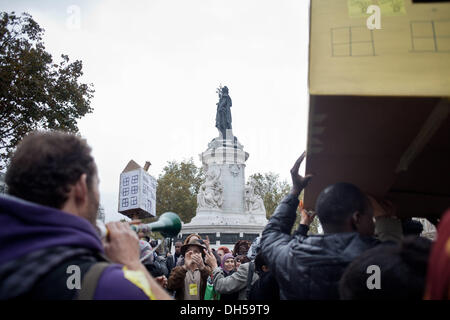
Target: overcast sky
(155,66)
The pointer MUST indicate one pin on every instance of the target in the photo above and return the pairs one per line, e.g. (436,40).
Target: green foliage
(270,189)
(35,92)
(177,189)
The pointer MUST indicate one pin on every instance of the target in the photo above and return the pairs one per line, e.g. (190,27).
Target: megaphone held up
(168,224)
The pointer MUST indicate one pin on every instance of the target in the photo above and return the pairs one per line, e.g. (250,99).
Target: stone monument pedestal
(227,209)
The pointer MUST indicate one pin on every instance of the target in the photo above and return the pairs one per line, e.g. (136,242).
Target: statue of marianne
(223,115)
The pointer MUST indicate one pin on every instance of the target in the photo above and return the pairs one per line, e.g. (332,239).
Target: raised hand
(299,182)
(306,218)
(122,245)
(162,281)
(206,242)
(188,259)
(198,260)
(210,259)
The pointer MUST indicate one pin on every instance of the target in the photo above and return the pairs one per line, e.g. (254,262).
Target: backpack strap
(251,271)
(90,281)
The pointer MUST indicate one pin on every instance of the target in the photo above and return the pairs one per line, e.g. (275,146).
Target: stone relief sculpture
(210,194)
(234,170)
(253,202)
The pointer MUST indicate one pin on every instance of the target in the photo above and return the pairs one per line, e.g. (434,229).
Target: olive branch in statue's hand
(219,91)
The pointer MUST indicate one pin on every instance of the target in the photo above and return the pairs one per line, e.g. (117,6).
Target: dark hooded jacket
(38,247)
(308,268)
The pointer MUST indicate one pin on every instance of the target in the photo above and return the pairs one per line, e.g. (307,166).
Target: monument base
(227,209)
(222,235)
(225,228)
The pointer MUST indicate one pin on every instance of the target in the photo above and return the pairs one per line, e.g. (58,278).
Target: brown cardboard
(363,140)
(408,56)
(132,165)
(380,121)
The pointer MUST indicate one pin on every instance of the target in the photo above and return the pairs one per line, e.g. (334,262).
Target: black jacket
(171,262)
(265,288)
(158,267)
(308,267)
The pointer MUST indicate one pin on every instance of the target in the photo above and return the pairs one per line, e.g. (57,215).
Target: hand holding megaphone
(122,245)
(168,224)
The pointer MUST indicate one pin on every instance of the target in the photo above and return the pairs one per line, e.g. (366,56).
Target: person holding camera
(189,280)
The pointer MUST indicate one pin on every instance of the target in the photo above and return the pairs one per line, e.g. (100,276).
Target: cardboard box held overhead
(408,56)
(379,113)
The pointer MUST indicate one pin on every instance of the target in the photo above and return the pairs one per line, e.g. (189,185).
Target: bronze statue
(223,115)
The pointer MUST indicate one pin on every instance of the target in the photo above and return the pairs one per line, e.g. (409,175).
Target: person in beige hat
(189,280)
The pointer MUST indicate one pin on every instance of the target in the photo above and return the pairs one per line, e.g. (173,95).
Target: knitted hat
(225,258)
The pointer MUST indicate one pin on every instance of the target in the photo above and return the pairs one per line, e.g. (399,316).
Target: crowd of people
(51,248)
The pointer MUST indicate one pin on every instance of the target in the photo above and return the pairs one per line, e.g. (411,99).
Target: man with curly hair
(51,249)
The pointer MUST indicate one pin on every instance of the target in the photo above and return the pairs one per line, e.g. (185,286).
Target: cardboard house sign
(137,192)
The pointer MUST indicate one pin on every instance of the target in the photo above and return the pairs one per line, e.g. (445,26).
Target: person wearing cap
(146,254)
(180,261)
(227,264)
(189,280)
(155,265)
